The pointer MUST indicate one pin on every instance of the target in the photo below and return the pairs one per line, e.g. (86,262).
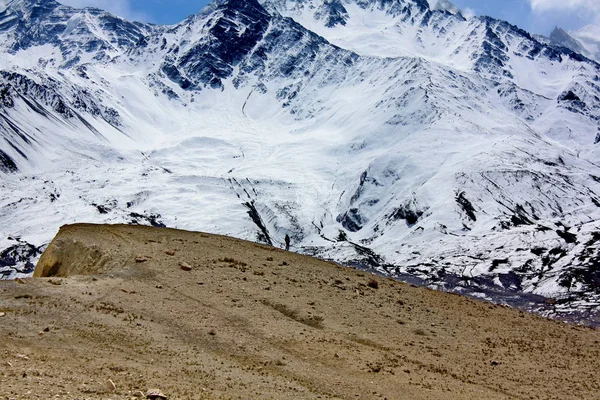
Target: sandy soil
(209,317)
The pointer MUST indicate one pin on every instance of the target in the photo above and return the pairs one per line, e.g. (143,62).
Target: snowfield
(416,143)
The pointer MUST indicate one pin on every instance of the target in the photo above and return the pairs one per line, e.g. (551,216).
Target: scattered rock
(2,314)
(141,259)
(373,284)
(110,386)
(159,286)
(138,394)
(170,252)
(21,281)
(495,363)
(185,266)
(155,394)
(22,356)
(47,329)
(56,282)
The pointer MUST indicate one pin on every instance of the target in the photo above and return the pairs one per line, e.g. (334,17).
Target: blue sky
(537,16)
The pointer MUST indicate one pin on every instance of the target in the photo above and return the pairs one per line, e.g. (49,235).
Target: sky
(535,16)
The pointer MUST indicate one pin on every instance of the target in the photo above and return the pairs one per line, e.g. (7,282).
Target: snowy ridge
(583,41)
(458,152)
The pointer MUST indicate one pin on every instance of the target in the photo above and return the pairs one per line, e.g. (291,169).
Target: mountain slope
(472,169)
(204,316)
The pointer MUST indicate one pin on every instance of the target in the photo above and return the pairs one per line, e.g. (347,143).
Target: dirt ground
(209,317)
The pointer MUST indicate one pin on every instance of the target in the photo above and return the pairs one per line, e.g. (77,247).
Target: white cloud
(584,9)
(468,12)
(121,8)
(548,5)
(569,14)
(450,7)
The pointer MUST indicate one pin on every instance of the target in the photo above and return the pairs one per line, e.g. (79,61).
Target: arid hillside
(117,310)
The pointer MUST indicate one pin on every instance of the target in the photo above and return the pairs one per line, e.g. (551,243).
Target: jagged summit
(335,12)
(389,134)
(561,38)
(25,4)
(81,35)
(584,41)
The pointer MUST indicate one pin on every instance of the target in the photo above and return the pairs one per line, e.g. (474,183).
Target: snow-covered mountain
(390,134)
(584,41)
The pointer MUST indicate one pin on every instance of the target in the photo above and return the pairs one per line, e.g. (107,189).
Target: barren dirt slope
(209,317)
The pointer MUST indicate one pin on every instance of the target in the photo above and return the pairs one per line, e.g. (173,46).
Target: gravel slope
(209,317)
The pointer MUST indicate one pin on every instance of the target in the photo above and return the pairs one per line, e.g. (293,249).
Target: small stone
(20,281)
(170,252)
(159,286)
(155,394)
(2,314)
(56,282)
(185,266)
(47,329)
(110,386)
(141,259)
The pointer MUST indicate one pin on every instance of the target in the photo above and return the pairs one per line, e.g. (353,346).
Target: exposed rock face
(66,257)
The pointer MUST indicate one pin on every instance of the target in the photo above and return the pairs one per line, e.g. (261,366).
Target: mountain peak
(561,38)
(22,4)
(336,7)
(30,8)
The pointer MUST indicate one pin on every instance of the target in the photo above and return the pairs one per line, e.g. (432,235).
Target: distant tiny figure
(287,242)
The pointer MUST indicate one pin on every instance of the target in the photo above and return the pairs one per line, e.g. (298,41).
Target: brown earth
(210,317)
